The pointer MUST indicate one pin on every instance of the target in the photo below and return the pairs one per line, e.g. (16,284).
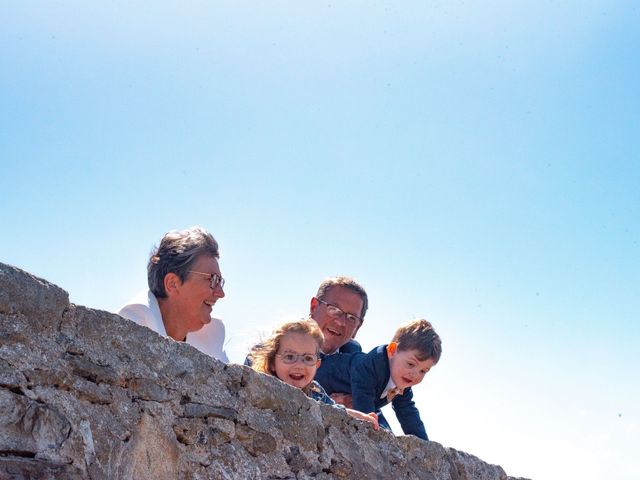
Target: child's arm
(367,376)
(367,417)
(342,399)
(408,415)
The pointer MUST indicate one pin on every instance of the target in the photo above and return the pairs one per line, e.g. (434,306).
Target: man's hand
(342,399)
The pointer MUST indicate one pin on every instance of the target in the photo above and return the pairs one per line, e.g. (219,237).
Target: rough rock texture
(86,394)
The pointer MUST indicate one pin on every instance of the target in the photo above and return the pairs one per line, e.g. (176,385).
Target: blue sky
(474,164)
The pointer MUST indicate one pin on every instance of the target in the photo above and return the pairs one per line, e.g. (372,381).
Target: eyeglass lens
(216,280)
(336,312)
(307,359)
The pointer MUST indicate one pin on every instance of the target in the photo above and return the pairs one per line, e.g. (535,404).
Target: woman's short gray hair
(177,252)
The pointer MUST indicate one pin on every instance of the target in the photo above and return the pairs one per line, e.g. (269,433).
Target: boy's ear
(392,348)
(318,362)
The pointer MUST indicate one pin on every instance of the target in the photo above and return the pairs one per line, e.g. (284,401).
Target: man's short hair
(419,335)
(177,252)
(345,282)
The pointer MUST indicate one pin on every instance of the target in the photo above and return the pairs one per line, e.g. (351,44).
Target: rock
(88,394)
(29,428)
(31,296)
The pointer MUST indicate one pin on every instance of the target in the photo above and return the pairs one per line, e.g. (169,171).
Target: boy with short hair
(387,373)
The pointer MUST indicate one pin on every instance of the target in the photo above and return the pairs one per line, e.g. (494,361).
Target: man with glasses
(339,308)
(184,284)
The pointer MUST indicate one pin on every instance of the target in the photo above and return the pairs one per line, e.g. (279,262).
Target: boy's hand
(342,399)
(374,420)
(371,418)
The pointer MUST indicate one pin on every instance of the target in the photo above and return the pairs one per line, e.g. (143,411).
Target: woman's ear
(172,283)
(392,348)
(318,362)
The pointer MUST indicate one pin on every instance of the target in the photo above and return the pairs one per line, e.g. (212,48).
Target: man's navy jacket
(324,373)
(365,376)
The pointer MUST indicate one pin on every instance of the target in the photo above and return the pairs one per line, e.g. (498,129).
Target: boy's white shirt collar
(390,386)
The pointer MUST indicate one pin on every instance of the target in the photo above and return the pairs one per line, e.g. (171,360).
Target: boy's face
(297,374)
(406,369)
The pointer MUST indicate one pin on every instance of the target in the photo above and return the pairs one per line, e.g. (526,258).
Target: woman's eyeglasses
(215,278)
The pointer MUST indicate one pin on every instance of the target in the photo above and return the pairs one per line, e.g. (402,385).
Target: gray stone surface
(86,394)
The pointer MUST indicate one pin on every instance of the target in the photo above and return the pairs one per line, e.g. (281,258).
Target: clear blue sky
(474,163)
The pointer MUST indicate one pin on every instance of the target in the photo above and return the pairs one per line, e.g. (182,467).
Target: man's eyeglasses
(291,358)
(337,312)
(215,278)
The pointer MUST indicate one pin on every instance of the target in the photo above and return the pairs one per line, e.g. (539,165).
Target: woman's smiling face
(196,297)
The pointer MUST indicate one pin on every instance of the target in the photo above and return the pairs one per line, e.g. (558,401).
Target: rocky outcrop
(86,394)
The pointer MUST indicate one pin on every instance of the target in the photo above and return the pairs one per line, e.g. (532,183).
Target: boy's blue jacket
(365,376)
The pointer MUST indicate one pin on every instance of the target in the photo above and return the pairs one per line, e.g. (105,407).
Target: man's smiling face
(337,330)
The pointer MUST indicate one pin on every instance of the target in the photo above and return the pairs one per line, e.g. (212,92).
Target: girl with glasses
(291,353)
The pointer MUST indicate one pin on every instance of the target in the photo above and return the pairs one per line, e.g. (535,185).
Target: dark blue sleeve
(408,415)
(334,374)
(364,375)
(352,346)
(383,421)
